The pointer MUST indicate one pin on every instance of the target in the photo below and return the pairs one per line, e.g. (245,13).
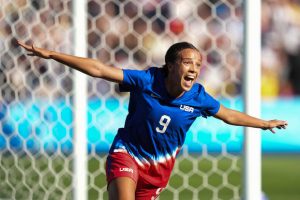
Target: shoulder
(149,72)
(198,89)
(200,93)
(140,78)
(209,105)
(154,71)
(152,74)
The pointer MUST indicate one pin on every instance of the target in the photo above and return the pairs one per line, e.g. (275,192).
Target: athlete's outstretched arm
(88,66)
(234,117)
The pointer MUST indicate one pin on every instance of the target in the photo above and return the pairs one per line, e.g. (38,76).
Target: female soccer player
(164,102)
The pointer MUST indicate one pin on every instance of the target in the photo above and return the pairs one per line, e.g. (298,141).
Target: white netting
(36,102)
(36,105)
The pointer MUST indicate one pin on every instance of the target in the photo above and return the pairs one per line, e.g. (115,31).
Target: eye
(187,62)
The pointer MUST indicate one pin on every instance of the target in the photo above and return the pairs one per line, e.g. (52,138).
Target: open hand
(276,124)
(34,51)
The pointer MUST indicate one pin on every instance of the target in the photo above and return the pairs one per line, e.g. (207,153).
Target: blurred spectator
(280,47)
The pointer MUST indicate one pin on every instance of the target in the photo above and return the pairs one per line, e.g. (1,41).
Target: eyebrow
(189,59)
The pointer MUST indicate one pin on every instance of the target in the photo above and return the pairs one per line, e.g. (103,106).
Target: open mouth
(189,78)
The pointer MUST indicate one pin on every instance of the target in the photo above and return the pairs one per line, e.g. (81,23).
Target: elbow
(233,117)
(95,73)
(227,121)
(96,69)
(231,121)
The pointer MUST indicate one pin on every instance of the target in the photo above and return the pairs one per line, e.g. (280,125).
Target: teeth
(191,77)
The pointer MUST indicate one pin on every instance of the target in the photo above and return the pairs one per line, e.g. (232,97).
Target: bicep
(109,73)
(223,113)
(238,118)
(230,116)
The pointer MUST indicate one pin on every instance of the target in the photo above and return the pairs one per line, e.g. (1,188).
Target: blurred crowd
(136,34)
(280,47)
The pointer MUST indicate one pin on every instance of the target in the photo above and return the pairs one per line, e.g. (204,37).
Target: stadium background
(36,105)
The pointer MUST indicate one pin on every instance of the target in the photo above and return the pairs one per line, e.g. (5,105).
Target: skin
(186,69)
(188,64)
(122,188)
(88,66)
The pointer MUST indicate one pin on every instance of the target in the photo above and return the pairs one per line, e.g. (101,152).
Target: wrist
(52,54)
(266,124)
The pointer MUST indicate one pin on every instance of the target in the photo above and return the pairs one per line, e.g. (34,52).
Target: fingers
(282,127)
(21,43)
(27,47)
(35,51)
(272,130)
(277,124)
(282,124)
(32,50)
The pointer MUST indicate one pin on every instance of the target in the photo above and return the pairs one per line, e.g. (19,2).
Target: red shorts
(120,164)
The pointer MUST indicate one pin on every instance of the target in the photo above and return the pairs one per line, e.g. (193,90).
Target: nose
(193,67)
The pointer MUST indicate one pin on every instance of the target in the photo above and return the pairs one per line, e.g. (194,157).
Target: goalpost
(80,103)
(252,88)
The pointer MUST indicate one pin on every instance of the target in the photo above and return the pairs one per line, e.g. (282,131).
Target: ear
(171,67)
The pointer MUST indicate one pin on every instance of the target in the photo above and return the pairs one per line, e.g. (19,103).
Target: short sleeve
(210,105)
(134,80)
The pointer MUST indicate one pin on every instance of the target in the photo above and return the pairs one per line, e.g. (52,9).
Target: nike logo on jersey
(154,96)
(187,108)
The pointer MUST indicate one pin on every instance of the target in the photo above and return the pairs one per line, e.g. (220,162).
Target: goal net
(37,108)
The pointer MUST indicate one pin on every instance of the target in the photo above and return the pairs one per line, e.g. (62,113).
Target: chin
(186,89)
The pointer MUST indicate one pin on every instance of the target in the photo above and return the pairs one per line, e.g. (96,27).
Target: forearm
(85,65)
(89,66)
(240,119)
(237,118)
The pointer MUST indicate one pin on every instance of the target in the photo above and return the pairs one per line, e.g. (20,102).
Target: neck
(172,87)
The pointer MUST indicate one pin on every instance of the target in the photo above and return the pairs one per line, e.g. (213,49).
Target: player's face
(187,68)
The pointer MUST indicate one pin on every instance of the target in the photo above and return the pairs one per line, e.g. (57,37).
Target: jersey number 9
(164,122)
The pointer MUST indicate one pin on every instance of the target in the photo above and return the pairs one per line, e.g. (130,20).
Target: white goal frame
(80,103)
(252,99)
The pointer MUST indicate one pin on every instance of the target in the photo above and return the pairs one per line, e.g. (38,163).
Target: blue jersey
(156,124)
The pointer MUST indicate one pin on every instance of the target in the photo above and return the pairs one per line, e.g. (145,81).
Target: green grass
(53,176)
(281,176)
